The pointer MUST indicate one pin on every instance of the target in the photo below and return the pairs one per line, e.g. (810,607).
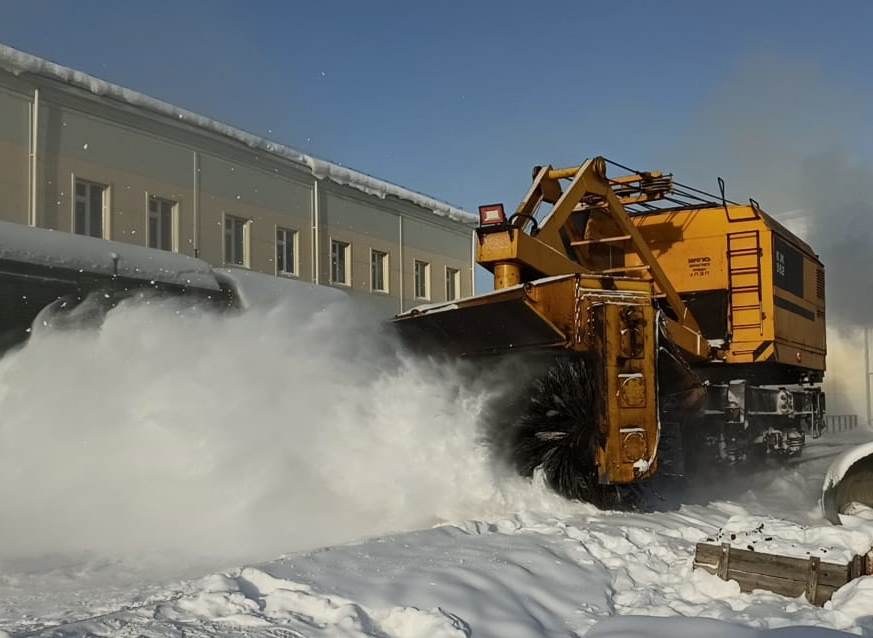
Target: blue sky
(459,100)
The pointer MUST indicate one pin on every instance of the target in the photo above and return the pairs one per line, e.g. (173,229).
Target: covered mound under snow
(19,62)
(844,462)
(848,482)
(57,249)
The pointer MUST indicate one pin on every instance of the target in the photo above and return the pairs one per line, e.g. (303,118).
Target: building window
(89,205)
(162,223)
(236,240)
(378,271)
(340,261)
(453,284)
(422,279)
(286,251)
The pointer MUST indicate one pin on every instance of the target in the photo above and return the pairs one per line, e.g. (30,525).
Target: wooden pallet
(784,575)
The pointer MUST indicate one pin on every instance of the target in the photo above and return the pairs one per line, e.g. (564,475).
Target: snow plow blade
(848,483)
(497,323)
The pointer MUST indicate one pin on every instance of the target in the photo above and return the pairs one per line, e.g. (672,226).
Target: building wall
(14,155)
(424,241)
(403,232)
(72,144)
(136,154)
(269,201)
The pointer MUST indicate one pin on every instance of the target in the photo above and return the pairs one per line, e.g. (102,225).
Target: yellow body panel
(771,316)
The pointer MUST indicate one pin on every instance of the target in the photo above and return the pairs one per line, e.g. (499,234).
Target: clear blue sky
(460,99)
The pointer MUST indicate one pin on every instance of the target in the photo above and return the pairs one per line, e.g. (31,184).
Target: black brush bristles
(558,433)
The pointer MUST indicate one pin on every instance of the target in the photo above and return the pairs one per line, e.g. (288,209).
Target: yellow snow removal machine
(670,318)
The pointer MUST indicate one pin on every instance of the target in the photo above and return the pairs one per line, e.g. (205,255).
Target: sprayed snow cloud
(189,433)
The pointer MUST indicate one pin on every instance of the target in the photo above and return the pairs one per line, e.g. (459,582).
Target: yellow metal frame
(589,278)
(515,256)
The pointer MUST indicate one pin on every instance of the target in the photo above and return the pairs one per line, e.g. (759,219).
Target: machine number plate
(787,267)
(699,266)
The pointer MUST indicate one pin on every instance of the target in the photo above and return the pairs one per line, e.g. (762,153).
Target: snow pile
(18,62)
(526,576)
(254,599)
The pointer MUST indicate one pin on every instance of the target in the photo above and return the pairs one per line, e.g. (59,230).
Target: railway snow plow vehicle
(678,328)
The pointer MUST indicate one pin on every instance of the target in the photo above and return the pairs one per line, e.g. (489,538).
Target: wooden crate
(785,575)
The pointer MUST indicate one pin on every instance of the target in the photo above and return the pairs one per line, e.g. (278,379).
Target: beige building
(83,156)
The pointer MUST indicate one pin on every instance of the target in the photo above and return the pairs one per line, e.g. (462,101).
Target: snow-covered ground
(532,573)
(397,523)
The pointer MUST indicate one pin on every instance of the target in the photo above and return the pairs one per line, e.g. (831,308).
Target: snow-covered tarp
(848,479)
(844,461)
(56,249)
(18,62)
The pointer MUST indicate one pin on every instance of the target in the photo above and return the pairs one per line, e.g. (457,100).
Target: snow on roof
(18,62)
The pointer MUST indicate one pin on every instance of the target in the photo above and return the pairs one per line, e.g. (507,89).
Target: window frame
(295,245)
(347,262)
(427,282)
(105,208)
(174,222)
(453,275)
(385,264)
(247,239)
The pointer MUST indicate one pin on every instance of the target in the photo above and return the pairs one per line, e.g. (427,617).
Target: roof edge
(18,63)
